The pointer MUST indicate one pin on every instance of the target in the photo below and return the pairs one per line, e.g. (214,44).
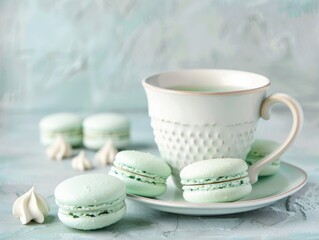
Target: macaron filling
(221,182)
(136,174)
(120,134)
(185,181)
(251,161)
(92,210)
(255,155)
(75,132)
(217,185)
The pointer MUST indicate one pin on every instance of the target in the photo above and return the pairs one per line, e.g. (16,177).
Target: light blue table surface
(23,163)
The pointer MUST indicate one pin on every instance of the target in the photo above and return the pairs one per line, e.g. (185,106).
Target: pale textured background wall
(92,54)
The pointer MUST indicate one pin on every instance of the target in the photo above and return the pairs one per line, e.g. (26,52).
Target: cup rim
(147,85)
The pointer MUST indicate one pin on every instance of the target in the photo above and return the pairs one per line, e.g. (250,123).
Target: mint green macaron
(259,150)
(143,173)
(215,180)
(68,125)
(90,201)
(99,128)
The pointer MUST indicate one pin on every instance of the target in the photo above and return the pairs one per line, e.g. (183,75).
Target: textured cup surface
(182,144)
(191,126)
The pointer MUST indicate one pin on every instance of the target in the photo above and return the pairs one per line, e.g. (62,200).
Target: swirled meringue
(59,149)
(30,206)
(80,162)
(106,154)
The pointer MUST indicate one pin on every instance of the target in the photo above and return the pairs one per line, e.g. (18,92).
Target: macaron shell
(90,223)
(143,161)
(89,189)
(269,170)
(214,168)
(61,122)
(217,196)
(141,188)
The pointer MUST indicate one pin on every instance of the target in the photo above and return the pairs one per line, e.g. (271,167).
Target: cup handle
(265,111)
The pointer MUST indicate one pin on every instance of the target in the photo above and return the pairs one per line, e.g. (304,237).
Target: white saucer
(288,180)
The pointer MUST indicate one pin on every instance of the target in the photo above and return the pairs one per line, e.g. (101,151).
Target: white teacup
(206,114)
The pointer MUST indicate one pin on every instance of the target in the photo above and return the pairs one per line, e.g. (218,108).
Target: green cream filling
(216,186)
(92,210)
(137,175)
(69,133)
(119,134)
(255,156)
(186,181)
(251,161)
(94,214)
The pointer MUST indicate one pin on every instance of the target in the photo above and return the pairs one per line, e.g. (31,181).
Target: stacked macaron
(215,180)
(143,174)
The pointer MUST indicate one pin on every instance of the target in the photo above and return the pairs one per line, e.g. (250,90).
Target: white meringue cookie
(106,154)
(80,162)
(30,206)
(59,149)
